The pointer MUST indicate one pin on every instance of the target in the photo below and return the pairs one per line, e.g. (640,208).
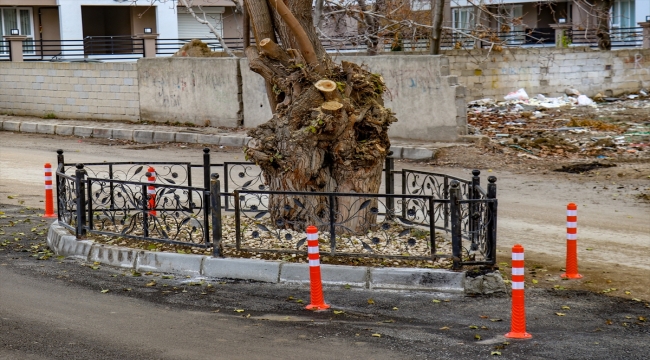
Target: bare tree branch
(205,21)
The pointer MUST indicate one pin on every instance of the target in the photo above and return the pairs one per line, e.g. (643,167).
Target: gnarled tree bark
(329,132)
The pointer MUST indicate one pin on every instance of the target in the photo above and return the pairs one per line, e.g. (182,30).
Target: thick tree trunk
(602,31)
(329,130)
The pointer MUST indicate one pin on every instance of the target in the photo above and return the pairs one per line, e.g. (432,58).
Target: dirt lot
(610,184)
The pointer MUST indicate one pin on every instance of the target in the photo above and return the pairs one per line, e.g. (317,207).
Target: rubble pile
(571,126)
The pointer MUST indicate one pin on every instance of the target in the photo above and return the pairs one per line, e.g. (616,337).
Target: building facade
(53,25)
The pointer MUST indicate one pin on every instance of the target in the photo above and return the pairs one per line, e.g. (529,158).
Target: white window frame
(455,14)
(617,16)
(27,49)
(509,11)
(420,5)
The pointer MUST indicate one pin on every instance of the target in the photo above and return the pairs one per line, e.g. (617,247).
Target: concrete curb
(153,136)
(62,243)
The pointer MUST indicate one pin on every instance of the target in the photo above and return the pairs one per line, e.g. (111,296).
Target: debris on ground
(582,168)
(572,126)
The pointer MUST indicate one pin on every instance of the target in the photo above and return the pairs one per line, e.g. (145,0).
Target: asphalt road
(55,308)
(61,308)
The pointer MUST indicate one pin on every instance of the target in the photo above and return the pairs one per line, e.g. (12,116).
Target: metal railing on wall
(4,50)
(103,48)
(128,48)
(619,37)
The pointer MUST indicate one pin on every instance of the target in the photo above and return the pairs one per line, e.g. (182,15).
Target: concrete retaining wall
(550,71)
(428,103)
(70,90)
(194,90)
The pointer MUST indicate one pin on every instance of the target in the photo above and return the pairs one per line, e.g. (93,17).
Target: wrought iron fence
(68,200)
(168,213)
(619,37)
(433,216)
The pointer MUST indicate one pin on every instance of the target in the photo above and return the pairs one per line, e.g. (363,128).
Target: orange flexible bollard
(518,316)
(317,302)
(571,242)
(49,202)
(151,190)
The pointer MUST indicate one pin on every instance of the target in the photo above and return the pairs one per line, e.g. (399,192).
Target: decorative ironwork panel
(66,196)
(242,176)
(351,223)
(170,214)
(166,173)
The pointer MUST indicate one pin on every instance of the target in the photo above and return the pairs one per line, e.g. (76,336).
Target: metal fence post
(226,204)
(59,156)
(80,185)
(446,206)
(432,226)
(59,167)
(145,207)
(206,192)
(389,184)
(404,187)
(89,198)
(111,187)
(456,224)
(492,221)
(474,194)
(237,221)
(215,201)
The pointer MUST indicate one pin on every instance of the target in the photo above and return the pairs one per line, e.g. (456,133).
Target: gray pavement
(148,133)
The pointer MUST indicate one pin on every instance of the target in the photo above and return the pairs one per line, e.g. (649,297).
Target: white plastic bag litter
(583,100)
(517,95)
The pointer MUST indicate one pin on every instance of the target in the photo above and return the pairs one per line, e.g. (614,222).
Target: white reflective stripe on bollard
(517,285)
(517,256)
(518,271)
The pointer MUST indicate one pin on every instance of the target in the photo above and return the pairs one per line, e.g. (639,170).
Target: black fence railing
(619,37)
(171,46)
(120,48)
(433,216)
(4,50)
(90,48)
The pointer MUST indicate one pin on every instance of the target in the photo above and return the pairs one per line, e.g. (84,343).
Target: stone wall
(202,91)
(550,71)
(429,104)
(73,90)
